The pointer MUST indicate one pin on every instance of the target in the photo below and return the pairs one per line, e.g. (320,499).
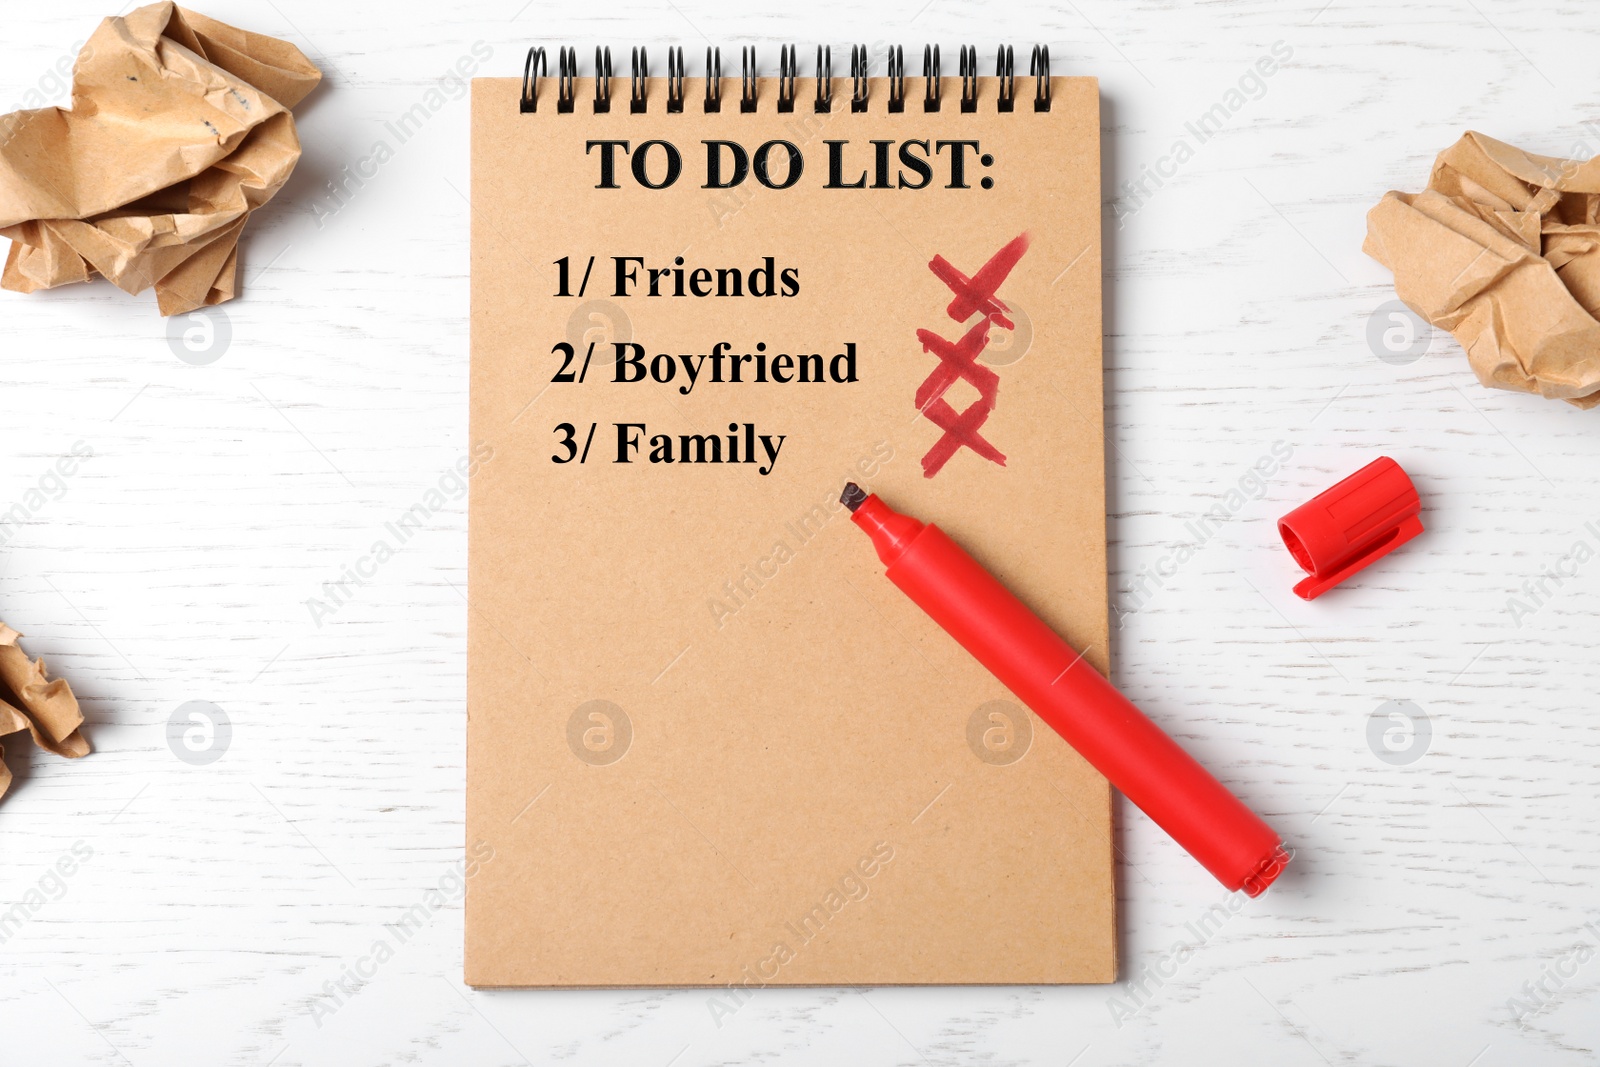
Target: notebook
(709,744)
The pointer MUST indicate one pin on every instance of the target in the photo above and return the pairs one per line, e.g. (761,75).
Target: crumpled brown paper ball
(179,129)
(1503,250)
(31,701)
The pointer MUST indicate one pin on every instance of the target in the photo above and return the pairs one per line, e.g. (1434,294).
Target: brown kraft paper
(1503,250)
(179,128)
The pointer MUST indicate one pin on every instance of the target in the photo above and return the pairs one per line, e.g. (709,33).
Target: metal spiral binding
(897,80)
(858,78)
(1039,67)
(536,68)
(713,80)
(747,89)
(602,81)
(788,68)
(566,88)
(675,70)
(969,79)
(1005,70)
(533,69)
(824,79)
(637,100)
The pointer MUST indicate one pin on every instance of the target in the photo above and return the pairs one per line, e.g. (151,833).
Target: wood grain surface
(296,899)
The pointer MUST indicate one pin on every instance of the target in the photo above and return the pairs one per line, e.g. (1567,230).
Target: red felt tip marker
(1077,702)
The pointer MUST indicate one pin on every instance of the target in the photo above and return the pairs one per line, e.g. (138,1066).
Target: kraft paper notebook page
(709,743)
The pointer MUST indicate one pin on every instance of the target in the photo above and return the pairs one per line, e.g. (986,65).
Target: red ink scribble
(959,360)
(977,292)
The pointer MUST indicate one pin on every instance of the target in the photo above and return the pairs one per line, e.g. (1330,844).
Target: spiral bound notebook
(709,743)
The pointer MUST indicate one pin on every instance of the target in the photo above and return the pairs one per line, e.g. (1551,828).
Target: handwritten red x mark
(959,360)
(977,292)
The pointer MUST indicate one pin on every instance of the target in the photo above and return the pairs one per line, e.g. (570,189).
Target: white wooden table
(217,910)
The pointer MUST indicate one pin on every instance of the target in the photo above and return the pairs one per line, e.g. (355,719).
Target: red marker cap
(1356,523)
